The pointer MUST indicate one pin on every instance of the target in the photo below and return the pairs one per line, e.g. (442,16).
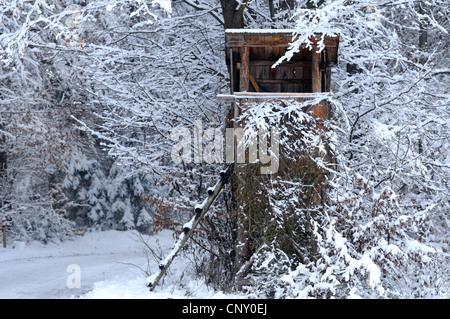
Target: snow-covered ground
(109,264)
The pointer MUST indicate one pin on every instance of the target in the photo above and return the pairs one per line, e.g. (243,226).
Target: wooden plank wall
(292,76)
(265,48)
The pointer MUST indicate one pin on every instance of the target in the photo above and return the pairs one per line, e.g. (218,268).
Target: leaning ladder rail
(188,228)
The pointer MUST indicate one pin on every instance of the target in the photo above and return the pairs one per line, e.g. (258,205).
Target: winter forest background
(90,92)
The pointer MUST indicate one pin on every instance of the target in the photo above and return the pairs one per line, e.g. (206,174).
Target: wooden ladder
(188,228)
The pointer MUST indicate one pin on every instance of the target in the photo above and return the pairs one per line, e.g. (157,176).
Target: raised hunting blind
(256,76)
(251,56)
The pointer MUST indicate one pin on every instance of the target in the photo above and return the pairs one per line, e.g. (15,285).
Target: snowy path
(40,271)
(46,277)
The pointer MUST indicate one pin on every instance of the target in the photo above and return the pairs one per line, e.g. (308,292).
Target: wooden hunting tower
(250,55)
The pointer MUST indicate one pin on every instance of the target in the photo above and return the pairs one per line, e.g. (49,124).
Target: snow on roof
(261,31)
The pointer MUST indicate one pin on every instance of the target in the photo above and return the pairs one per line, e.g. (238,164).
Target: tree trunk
(271,9)
(3,164)
(233,13)
(423,39)
(3,157)
(423,33)
(3,167)
(233,17)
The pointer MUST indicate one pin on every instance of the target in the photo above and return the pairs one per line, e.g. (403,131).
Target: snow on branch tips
(144,9)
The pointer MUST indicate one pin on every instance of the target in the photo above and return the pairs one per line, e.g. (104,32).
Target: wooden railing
(320,109)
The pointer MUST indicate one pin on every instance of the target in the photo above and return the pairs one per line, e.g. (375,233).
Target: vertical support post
(320,112)
(241,233)
(244,81)
(328,79)
(316,80)
(231,71)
